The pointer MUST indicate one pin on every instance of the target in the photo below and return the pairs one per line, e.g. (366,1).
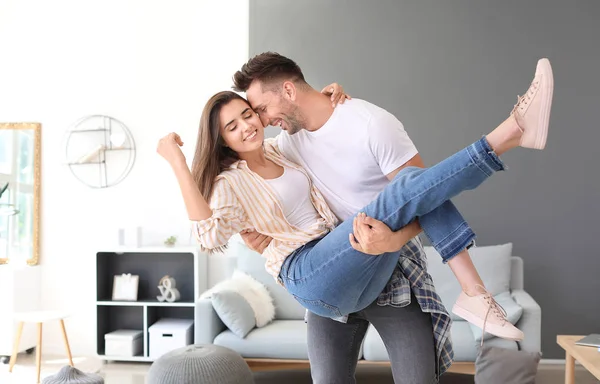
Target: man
(351,152)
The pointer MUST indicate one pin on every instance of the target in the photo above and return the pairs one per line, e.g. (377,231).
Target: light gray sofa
(283,341)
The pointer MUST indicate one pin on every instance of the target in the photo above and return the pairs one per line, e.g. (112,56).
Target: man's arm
(390,145)
(413,229)
(373,237)
(416,161)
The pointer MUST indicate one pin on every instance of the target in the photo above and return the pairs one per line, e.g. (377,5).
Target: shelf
(89,130)
(101,161)
(184,263)
(156,313)
(141,303)
(149,250)
(127,358)
(88,163)
(150,267)
(117,149)
(109,319)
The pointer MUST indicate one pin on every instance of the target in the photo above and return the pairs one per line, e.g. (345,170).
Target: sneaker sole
(542,135)
(468,316)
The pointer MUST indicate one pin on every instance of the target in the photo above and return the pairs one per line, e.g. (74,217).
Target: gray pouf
(200,364)
(72,375)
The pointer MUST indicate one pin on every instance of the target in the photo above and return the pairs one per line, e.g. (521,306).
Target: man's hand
(373,237)
(255,241)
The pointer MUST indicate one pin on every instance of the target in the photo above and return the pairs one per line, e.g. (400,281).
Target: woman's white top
(293,192)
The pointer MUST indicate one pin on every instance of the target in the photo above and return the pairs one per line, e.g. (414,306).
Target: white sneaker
(484,312)
(532,111)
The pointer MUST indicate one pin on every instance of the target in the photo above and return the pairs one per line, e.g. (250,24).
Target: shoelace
(494,308)
(526,98)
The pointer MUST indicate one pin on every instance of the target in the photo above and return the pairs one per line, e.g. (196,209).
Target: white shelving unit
(187,265)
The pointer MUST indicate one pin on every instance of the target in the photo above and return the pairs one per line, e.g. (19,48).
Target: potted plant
(170,241)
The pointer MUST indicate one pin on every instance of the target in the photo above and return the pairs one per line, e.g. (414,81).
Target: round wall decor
(99,151)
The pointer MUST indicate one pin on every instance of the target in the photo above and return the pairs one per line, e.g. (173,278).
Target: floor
(135,373)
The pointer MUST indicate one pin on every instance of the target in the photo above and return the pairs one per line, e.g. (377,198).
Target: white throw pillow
(255,293)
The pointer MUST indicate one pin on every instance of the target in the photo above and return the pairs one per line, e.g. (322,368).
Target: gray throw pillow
(235,312)
(504,366)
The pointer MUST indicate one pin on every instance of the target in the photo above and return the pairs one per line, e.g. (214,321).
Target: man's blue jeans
(330,278)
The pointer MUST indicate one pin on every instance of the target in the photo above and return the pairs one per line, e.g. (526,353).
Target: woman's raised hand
(169,147)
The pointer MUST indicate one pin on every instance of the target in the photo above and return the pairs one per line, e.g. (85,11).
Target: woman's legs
(475,304)
(332,275)
(451,236)
(329,276)
(415,192)
(420,191)
(527,126)
(465,272)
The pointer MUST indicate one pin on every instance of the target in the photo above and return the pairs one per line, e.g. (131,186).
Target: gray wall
(451,71)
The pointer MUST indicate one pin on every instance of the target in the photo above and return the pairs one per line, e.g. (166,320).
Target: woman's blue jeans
(330,278)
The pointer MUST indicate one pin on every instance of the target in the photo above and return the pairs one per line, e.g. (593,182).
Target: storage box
(168,334)
(124,342)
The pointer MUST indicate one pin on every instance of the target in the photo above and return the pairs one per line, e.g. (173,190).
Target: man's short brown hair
(269,68)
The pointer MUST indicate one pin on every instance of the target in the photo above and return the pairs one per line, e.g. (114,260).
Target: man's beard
(295,121)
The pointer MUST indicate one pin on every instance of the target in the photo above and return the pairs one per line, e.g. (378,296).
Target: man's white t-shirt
(349,157)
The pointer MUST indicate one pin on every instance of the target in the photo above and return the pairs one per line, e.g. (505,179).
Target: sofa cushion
(286,307)
(252,290)
(513,313)
(464,345)
(234,311)
(492,262)
(281,339)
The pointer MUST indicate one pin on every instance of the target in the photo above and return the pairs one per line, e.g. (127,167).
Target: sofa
(282,343)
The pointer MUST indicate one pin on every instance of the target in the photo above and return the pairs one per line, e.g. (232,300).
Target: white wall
(150,64)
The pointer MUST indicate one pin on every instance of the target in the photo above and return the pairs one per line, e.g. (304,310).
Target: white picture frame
(125,287)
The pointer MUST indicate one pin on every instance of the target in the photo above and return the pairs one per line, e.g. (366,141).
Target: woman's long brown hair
(212,156)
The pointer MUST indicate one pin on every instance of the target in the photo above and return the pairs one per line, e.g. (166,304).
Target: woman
(247,184)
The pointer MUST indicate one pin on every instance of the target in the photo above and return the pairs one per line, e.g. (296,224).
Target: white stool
(38,317)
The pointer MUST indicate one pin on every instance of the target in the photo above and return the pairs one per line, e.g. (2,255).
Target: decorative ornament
(167,289)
